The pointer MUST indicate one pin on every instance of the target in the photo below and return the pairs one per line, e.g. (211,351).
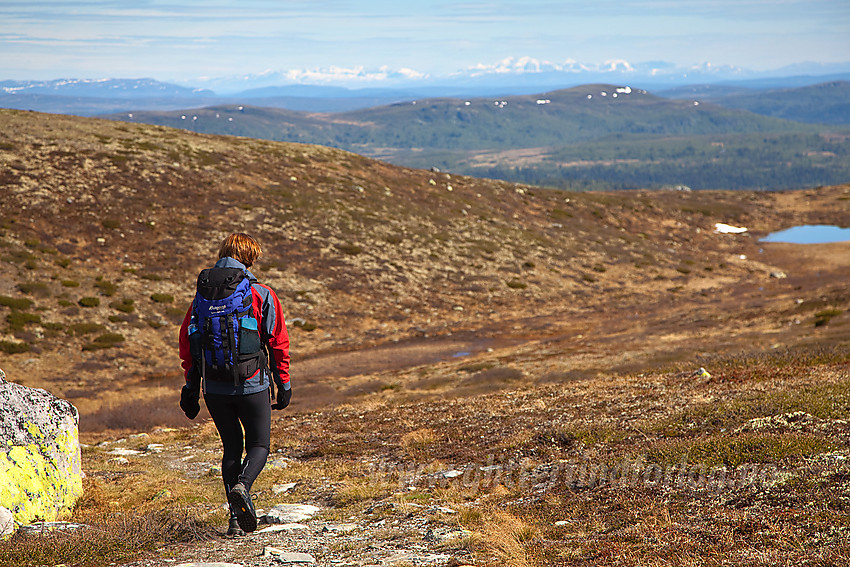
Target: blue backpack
(224,335)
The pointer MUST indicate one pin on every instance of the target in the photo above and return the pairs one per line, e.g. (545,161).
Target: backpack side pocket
(249,336)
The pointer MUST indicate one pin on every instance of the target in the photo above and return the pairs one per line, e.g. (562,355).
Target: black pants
(231,414)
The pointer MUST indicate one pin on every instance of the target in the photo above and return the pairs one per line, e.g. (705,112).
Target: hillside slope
(106,225)
(557,118)
(593,136)
(482,372)
(825,103)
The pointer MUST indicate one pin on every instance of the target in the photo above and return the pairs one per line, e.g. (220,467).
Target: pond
(809,234)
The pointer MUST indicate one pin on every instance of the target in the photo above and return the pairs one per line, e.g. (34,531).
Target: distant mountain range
(513,76)
(748,134)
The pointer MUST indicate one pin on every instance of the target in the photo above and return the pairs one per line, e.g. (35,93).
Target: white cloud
(360,74)
(616,65)
(520,65)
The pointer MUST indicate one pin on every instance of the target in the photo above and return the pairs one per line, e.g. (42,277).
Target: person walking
(234,346)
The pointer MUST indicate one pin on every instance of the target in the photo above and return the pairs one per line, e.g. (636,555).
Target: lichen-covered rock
(7,522)
(40,469)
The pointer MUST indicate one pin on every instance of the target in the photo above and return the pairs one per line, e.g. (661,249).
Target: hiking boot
(240,503)
(234,529)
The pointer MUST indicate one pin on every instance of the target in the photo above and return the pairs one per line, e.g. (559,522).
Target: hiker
(233,341)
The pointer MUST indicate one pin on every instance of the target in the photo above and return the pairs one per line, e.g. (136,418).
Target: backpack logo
(224,334)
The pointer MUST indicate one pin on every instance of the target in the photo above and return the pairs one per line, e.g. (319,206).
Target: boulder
(40,466)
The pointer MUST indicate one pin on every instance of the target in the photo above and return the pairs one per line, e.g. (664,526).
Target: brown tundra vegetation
(484,373)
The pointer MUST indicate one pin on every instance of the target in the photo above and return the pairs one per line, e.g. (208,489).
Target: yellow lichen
(34,430)
(33,488)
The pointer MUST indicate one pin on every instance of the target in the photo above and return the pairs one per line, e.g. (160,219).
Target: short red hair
(241,247)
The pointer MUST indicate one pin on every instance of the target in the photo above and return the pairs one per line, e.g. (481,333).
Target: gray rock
(40,465)
(290,513)
(281,488)
(340,528)
(7,522)
(292,558)
(40,527)
(288,558)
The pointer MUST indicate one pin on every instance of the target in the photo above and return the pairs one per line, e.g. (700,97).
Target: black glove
(283,397)
(189,401)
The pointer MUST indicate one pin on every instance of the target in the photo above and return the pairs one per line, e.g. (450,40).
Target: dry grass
(573,379)
(507,538)
(417,443)
(115,537)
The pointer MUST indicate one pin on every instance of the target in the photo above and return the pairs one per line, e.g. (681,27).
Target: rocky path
(387,531)
(295,534)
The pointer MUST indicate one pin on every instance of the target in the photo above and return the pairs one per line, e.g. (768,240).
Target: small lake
(809,234)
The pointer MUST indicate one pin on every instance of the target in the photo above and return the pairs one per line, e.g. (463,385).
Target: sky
(375,40)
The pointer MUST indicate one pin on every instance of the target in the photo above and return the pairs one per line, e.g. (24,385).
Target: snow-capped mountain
(101,88)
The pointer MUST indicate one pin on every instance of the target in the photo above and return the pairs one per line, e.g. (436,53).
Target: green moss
(350,249)
(162,298)
(823,317)
(175,314)
(737,450)
(106,287)
(126,305)
(17,256)
(110,338)
(18,319)
(827,401)
(89,302)
(70,283)
(9,347)
(516,284)
(15,302)
(35,288)
(79,329)
(104,341)
(477,367)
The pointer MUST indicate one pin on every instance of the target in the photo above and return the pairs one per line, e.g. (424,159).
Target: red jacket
(269,314)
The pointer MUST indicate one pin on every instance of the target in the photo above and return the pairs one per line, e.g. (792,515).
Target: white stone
(342,528)
(283,528)
(124,452)
(295,558)
(290,513)
(723,228)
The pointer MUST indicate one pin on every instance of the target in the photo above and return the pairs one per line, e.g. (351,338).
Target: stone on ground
(40,466)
